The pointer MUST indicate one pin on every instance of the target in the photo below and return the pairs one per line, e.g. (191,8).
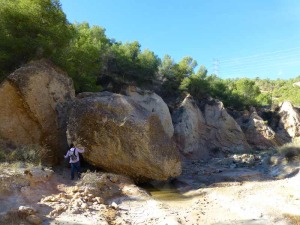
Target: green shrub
(31,30)
(2,155)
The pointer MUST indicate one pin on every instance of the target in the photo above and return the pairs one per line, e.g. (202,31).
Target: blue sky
(234,38)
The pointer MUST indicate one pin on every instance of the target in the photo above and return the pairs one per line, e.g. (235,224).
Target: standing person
(73,153)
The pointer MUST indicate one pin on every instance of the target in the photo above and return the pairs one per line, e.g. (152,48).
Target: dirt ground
(220,194)
(221,191)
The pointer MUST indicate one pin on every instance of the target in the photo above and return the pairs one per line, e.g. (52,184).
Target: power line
(216,65)
(261,62)
(259,55)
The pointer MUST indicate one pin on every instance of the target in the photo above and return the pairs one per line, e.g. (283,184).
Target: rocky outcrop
(223,131)
(190,129)
(154,104)
(123,137)
(258,134)
(212,130)
(288,124)
(30,102)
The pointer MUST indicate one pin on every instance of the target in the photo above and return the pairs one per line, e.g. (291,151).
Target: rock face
(190,129)
(30,100)
(154,104)
(223,131)
(121,136)
(258,134)
(288,127)
(198,133)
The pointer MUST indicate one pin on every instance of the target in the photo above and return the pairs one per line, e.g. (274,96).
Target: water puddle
(165,193)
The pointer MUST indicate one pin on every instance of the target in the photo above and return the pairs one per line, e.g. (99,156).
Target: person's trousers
(75,166)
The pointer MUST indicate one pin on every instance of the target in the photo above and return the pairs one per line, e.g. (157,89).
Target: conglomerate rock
(30,102)
(121,136)
(154,104)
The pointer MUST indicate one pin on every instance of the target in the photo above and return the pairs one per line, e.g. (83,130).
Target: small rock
(77,195)
(62,195)
(84,206)
(99,200)
(24,211)
(49,199)
(114,205)
(75,189)
(102,207)
(114,179)
(34,220)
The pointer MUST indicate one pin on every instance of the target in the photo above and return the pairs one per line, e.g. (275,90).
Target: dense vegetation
(33,29)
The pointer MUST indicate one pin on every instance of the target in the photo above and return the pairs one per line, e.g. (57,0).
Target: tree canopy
(33,29)
(82,58)
(30,29)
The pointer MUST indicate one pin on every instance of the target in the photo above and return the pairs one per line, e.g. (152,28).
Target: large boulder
(190,129)
(199,132)
(121,136)
(30,102)
(288,124)
(154,104)
(258,134)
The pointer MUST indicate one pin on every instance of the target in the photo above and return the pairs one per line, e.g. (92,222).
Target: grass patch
(290,151)
(294,219)
(34,154)
(13,177)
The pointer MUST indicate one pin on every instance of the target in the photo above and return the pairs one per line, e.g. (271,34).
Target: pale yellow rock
(154,104)
(75,189)
(134,133)
(257,132)
(289,124)
(84,206)
(77,195)
(198,132)
(30,100)
(62,195)
(114,179)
